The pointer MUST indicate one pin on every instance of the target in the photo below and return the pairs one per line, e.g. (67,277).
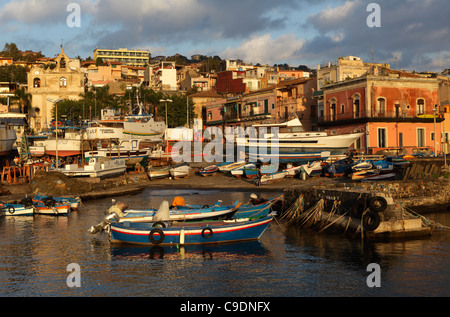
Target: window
(420,106)
(420,137)
(381,106)
(62,63)
(382,137)
(63,82)
(333,109)
(356,108)
(342,109)
(356,105)
(209,115)
(36,83)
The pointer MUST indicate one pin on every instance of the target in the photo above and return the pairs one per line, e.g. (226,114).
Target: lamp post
(55,102)
(435,136)
(166,101)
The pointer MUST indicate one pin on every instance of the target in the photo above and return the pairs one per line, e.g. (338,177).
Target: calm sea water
(285,262)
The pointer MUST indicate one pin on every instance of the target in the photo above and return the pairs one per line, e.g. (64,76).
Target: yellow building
(127,57)
(65,81)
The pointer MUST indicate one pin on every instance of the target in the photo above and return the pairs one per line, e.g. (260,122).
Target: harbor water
(35,253)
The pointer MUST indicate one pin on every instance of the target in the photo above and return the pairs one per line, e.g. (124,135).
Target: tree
(70,109)
(24,99)
(177,110)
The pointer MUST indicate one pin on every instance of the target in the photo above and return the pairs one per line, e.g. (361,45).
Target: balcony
(387,116)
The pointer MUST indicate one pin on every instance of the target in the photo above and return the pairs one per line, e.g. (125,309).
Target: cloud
(410,30)
(266,50)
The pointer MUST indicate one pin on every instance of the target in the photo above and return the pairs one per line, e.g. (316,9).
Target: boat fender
(371,220)
(159,224)
(378,204)
(152,233)
(207,232)
(358,208)
(11,210)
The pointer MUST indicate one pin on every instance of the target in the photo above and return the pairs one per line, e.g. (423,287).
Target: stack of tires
(369,209)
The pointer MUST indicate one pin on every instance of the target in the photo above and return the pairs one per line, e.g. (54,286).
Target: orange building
(395,110)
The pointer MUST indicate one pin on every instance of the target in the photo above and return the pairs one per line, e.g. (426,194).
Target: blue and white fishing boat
(182,214)
(175,233)
(239,171)
(254,211)
(265,169)
(73,202)
(384,166)
(9,210)
(208,170)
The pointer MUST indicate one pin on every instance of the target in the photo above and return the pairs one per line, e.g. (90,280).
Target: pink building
(395,111)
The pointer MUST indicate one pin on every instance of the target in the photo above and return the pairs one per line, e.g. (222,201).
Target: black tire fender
(159,224)
(152,233)
(11,210)
(371,220)
(207,233)
(378,204)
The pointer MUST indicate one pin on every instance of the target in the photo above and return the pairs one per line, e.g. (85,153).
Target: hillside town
(393,108)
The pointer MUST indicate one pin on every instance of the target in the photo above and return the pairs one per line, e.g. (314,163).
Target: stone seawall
(421,195)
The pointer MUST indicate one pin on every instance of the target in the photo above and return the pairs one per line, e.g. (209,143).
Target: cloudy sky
(413,34)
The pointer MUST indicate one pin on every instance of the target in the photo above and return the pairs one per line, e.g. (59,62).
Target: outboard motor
(113,215)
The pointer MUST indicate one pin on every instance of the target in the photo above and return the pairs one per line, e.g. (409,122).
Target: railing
(365,115)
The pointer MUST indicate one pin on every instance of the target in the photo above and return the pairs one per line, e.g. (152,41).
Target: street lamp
(434,119)
(166,101)
(55,102)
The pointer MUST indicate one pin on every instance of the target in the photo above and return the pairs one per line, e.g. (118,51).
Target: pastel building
(394,109)
(61,82)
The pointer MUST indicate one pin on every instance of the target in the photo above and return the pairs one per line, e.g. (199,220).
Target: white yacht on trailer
(292,144)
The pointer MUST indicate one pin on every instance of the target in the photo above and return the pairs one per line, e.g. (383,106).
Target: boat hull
(160,173)
(12,210)
(189,233)
(60,210)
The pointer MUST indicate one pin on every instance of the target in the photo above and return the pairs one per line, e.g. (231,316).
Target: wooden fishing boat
(312,168)
(379,177)
(292,171)
(9,210)
(265,169)
(273,177)
(157,173)
(253,211)
(57,210)
(359,175)
(180,170)
(239,171)
(384,166)
(176,233)
(208,170)
(363,165)
(228,167)
(183,214)
(73,202)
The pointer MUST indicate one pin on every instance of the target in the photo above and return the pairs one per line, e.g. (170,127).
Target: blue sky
(414,34)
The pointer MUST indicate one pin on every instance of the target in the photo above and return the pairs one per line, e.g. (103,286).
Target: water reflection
(232,251)
(286,261)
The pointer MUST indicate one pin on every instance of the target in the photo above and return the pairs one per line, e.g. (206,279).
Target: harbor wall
(422,195)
